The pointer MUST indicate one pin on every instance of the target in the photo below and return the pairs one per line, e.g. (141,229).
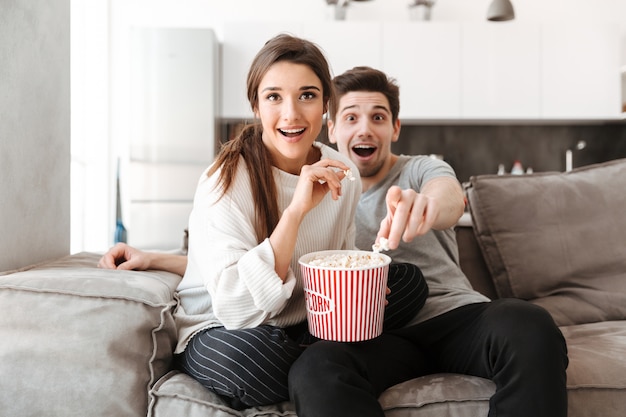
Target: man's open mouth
(363,150)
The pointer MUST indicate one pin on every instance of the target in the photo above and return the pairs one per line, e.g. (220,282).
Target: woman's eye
(308,96)
(272,97)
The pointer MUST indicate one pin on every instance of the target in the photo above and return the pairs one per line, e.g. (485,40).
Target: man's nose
(364,128)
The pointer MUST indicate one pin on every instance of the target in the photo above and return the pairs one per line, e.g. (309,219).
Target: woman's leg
(408,294)
(249,366)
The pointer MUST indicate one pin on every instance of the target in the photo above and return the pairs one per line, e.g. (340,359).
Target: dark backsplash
(479,149)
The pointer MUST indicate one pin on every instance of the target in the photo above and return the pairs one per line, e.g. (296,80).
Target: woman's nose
(291,109)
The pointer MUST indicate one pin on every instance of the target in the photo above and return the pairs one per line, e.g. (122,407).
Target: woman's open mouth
(290,133)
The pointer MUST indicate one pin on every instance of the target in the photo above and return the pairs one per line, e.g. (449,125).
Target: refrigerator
(174,99)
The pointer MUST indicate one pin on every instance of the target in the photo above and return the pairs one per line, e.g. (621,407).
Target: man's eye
(379,117)
(350,118)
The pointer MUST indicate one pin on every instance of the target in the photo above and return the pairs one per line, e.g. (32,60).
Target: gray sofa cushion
(178,394)
(81,341)
(596,375)
(439,395)
(557,239)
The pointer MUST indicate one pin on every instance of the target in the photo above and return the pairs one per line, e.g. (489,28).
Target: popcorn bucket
(345,293)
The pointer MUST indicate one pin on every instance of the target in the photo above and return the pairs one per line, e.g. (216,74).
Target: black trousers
(250,367)
(512,342)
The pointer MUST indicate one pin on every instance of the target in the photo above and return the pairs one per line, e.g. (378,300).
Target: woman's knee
(409,292)
(249,366)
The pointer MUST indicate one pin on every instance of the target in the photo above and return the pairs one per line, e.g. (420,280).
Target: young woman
(272,195)
(257,209)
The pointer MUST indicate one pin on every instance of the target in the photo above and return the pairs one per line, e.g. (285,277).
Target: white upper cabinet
(347,44)
(580,78)
(501,71)
(425,59)
(240,44)
(455,71)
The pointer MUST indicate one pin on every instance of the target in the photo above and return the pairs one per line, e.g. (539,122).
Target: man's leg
(512,342)
(345,379)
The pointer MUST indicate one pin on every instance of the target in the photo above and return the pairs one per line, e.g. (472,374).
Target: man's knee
(526,328)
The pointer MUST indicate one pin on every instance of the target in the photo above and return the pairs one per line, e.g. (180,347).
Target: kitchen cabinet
(501,71)
(347,44)
(487,71)
(425,59)
(240,43)
(580,71)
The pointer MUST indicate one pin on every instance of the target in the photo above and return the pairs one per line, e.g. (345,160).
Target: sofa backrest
(556,239)
(473,263)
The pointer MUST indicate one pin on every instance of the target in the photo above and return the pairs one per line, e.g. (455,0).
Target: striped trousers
(250,367)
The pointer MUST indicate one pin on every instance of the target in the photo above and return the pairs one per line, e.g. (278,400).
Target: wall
(34,131)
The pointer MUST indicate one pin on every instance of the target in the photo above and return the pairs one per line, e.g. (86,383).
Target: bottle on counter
(517,169)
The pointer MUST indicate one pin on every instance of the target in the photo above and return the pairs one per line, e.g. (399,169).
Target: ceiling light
(340,7)
(500,11)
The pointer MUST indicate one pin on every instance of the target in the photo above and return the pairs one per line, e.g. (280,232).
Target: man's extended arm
(438,206)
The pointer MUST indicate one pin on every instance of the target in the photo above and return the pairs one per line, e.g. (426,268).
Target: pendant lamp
(500,11)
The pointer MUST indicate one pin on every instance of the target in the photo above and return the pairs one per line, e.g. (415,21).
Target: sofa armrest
(82,341)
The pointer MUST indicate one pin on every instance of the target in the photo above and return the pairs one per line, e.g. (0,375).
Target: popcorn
(347,260)
(383,244)
(347,172)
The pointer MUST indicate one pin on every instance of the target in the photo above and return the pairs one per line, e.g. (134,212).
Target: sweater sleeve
(235,269)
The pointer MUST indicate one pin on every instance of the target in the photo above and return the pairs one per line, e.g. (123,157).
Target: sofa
(76,340)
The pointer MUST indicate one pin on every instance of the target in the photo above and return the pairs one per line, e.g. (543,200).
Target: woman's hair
(249,144)
(365,79)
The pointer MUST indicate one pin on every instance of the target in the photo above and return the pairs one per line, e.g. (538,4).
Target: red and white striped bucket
(345,304)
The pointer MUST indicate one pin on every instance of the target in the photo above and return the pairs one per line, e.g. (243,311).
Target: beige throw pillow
(557,239)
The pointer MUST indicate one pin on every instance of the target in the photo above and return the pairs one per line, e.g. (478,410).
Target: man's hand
(411,214)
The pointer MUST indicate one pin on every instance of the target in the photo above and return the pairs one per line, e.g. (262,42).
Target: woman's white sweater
(230,279)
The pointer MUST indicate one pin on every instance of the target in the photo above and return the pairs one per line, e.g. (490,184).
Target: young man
(512,342)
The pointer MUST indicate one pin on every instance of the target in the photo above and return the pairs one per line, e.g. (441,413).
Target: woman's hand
(122,256)
(315,181)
